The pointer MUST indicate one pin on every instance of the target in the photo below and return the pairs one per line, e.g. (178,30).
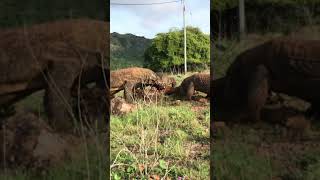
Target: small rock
(119,106)
(177,102)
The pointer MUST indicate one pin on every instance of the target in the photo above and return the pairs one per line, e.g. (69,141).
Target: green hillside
(127,50)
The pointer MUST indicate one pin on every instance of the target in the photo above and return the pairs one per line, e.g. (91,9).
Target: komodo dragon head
(166,83)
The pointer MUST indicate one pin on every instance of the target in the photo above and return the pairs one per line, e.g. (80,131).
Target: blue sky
(147,21)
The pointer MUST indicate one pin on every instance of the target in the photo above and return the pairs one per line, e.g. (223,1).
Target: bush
(167,52)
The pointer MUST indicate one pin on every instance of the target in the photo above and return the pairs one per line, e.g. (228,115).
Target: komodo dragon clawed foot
(128,91)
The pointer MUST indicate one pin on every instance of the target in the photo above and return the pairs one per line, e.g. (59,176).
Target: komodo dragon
(281,65)
(128,79)
(55,56)
(197,82)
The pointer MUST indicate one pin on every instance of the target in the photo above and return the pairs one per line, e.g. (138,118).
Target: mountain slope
(127,50)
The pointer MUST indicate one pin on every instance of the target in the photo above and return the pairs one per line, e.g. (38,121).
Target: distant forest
(263,16)
(17,12)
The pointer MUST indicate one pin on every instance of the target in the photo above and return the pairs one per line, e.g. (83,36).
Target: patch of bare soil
(199,104)
(201,99)
(197,150)
(198,108)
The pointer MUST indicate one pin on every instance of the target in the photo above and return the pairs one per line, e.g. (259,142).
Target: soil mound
(28,141)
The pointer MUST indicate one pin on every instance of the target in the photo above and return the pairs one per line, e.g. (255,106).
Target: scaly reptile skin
(281,65)
(197,82)
(53,56)
(129,78)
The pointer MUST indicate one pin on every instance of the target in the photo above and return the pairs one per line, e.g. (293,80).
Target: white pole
(185,37)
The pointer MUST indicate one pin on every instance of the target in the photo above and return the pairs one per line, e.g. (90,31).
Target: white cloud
(150,20)
(151,16)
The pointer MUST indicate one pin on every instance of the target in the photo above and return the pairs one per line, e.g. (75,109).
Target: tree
(166,50)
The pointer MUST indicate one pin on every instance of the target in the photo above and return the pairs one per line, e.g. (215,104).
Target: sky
(149,20)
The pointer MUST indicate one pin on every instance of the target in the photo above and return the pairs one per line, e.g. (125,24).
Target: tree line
(16,13)
(166,52)
(263,16)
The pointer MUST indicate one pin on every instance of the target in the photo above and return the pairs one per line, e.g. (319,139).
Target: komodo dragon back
(302,56)
(199,81)
(35,57)
(132,74)
(27,50)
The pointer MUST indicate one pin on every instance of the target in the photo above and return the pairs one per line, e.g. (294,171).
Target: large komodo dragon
(134,77)
(281,65)
(197,82)
(55,56)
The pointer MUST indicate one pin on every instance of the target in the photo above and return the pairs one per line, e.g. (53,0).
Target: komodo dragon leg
(190,91)
(128,91)
(60,78)
(258,90)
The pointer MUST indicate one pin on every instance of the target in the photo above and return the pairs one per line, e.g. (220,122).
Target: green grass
(234,156)
(237,161)
(313,171)
(160,140)
(247,153)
